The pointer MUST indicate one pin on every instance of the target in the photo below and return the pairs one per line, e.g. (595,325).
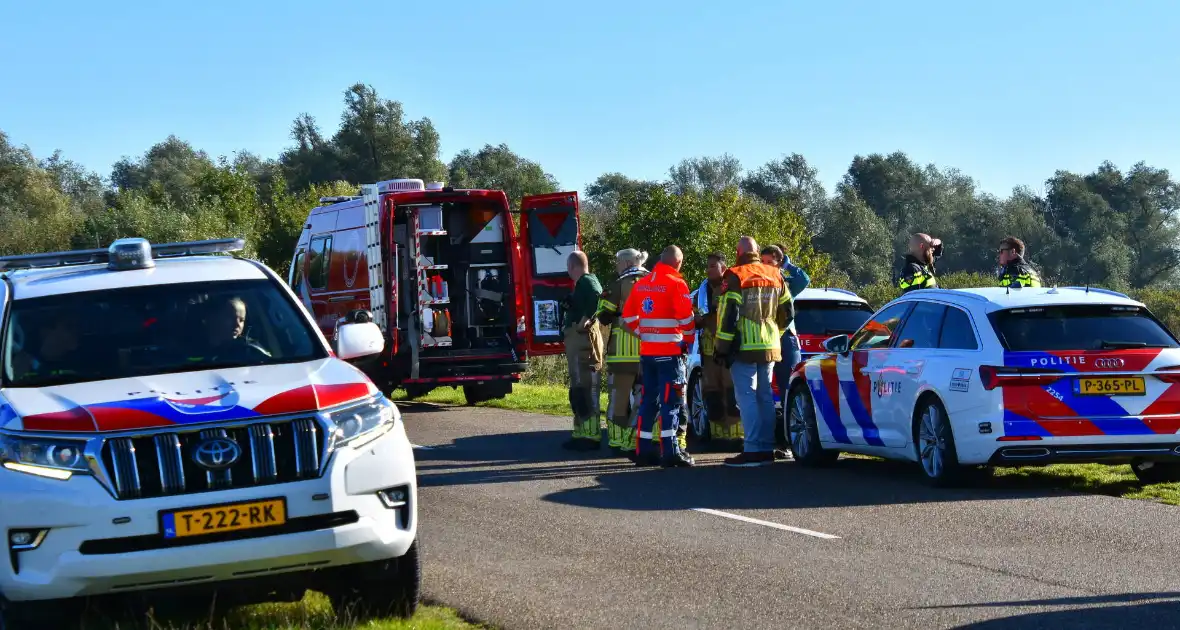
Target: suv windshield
(1083,327)
(159,329)
(829,317)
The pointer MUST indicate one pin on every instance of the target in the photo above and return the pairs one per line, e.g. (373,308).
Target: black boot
(679,459)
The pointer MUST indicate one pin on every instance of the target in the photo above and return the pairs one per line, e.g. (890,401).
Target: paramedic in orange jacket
(660,312)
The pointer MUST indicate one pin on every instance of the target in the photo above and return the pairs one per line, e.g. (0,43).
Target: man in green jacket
(584,354)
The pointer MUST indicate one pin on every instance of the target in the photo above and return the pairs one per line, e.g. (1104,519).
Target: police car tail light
(1170,374)
(993,376)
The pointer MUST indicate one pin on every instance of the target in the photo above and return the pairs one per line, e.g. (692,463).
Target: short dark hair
(774,251)
(715,256)
(1014,244)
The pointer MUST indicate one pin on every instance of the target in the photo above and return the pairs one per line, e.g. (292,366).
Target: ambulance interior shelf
(464,268)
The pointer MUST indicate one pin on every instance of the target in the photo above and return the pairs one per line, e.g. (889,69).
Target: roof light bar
(123,254)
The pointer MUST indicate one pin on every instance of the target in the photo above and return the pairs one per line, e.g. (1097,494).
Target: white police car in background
(969,378)
(174,419)
(819,314)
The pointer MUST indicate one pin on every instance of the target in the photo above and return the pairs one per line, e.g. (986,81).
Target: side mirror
(358,340)
(837,344)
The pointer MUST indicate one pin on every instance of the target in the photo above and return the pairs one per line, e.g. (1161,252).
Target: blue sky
(1006,91)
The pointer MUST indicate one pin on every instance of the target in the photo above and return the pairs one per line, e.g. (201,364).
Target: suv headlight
(361,423)
(47,457)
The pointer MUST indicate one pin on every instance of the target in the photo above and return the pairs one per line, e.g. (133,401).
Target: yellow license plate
(216,519)
(1112,386)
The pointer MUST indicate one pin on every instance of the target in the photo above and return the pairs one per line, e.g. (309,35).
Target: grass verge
(1116,481)
(313,613)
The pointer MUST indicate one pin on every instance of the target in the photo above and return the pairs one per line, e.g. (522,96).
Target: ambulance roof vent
(434,186)
(400,185)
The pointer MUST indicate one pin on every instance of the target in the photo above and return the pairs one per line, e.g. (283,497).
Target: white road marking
(424,448)
(746,519)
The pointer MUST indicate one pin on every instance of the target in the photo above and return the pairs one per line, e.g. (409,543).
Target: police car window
(1079,327)
(877,332)
(922,327)
(957,332)
(830,317)
(159,329)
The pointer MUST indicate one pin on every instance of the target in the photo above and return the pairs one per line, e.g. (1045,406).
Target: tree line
(1110,227)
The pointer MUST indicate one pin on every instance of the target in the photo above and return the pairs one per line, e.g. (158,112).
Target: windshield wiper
(1114,345)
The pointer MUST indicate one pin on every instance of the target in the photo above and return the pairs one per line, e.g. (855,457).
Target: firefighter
(725,427)
(660,312)
(1015,272)
(756,302)
(622,351)
(917,272)
(583,351)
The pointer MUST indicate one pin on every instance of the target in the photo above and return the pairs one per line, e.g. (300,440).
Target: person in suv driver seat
(225,323)
(58,337)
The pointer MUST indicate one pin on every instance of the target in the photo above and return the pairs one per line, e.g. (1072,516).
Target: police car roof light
(130,253)
(198,248)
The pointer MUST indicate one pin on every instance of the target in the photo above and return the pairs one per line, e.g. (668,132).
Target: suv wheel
(934,445)
(387,588)
(801,431)
(698,414)
(1155,472)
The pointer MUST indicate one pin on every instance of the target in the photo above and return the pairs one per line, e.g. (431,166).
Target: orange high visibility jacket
(660,312)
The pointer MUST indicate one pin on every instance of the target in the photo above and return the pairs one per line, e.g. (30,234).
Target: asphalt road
(521,534)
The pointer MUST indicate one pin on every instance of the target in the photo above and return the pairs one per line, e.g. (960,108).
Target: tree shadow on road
(1141,610)
(615,483)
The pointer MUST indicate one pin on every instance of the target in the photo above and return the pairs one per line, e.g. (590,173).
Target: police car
(967,379)
(171,416)
(819,314)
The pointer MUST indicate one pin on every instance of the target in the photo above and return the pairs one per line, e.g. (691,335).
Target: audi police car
(170,416)
(971,378)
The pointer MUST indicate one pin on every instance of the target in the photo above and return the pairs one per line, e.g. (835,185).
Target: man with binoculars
(917,272)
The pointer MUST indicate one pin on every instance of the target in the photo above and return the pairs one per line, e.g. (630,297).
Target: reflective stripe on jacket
(1018,273)
(756,305)
(916,275)
(660,312)
(624,344)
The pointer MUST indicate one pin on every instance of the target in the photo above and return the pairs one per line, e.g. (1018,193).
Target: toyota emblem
(1109,363)
(216,453)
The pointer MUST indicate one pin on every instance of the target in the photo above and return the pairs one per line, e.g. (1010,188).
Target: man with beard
(917,272)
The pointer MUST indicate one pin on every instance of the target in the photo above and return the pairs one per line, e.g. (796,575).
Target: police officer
(660,312)
(917,272)
(622,351)
(1015,272)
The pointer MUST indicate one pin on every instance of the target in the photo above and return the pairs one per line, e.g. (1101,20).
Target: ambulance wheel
(934,445)
(483,392)
(1155,472)
(802,432)
(417,391)
(698,414)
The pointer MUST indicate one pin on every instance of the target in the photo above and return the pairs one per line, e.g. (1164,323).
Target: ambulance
(464,288)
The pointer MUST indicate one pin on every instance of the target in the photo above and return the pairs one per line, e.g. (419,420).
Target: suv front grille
(161,464)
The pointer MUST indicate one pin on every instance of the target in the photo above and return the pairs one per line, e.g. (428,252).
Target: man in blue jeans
(755,301)
(796,280)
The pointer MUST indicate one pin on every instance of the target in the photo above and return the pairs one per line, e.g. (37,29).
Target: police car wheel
(1155,472)
(387,588)
(698,416)
(934,445)
(802,432)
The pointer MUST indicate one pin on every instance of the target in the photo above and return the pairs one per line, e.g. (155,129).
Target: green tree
(498,168)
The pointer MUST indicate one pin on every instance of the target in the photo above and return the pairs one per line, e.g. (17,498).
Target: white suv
(969,378)
(175,419)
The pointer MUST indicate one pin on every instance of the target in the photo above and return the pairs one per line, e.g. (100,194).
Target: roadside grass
(313,613)
(552,400)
